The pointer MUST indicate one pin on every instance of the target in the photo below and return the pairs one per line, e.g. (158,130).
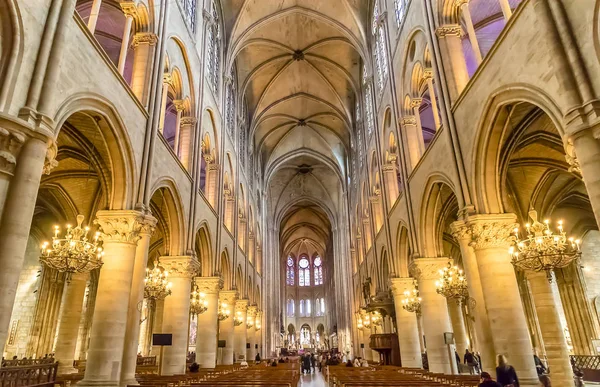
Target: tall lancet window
(213,51)
(318,271)
(230,107)
(400,10)
(290,272)
(381,59)
(304,272)
(369,109)
(189,13)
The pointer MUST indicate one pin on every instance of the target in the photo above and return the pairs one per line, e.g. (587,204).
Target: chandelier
(412,302)
(198,302)
(452,283)
(156,284)
(224,312)
(238,320)
(542,249)
(257,324)
(376,318)
(359,321)
(249,322)
(74,252)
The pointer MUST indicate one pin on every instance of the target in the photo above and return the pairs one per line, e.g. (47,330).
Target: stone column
(491,239)
(179,107)
(435,313)
(186,127)
(120,234)
(66,340)
(458,326)
(250,352)
(374,354)
(239,349)
(226,326)
(466,14)
(450,40)
(257,333)
(506,10)
(428,74)
(136,299)
(176,317)
(412,139)
(586,158)
(167,80)
(390,174)
(421,332)
(555,343)
(462,233)
(206,336)
(143,43)
(16,220)
(130,10)
(212,177)
(406,323)
(94,13)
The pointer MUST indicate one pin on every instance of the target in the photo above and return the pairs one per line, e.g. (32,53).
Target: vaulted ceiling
(298,67)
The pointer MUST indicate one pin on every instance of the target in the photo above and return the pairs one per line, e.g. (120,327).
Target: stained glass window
(400,8)
(369,110)
(289,277)
(304,273)
(308,311)
(213,55)
(291,306)
(189,13)
(230,108)
(380,51)
(302,308)
(318,271)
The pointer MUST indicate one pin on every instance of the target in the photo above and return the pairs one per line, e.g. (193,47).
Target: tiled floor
(312,380)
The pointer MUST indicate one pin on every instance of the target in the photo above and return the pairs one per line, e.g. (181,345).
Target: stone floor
(312,380)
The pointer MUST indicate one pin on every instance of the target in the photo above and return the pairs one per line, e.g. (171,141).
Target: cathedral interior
(192,189)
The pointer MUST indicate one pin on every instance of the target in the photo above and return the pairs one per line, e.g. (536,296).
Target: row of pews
(390,376)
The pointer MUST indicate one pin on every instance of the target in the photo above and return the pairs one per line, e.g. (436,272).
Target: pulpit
(387,345)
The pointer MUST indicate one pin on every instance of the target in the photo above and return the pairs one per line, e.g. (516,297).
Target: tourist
(539,366)
(257,358)
(349,363)
(273,363)
(365,363)
(486,381)
(457,357)
(357,361)
(545,381)
(505,373)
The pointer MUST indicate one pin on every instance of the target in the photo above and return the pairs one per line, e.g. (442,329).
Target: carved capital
(460,3)
(241,305)
(228,296)
(460,230)
(129,8)
(428,74)
(179,104)
(188,121)
(390,166)
(140,38)
(400,285)
(252,310)
(148,225)
(167,78)
(427,268)
(416,102)
(181,267)
(489,231)
(449,30)
(212,165)
(120,226)
(209,285)
(409,120)
(10,146)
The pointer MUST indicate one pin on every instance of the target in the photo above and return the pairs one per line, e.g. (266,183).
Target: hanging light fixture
(74,252)
(376,318)
(257,323)
(542,249)
(359,321)
(452,283)
(412,302)
(238,320)
(198,302)
(223,311)
(156,283)
(367,321)
(249,322)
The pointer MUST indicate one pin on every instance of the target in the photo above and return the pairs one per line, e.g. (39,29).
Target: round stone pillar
(458,326)
(406,323)
(240,331)
(553,335)
(176,315)
(226,327)
(436,320)
(68,330)
(207,331)
(136,298)
(485,345)
(120,234)
(491,239)
(17,213)
(251,316)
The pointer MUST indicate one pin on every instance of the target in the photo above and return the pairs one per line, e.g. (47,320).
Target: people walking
(505,373)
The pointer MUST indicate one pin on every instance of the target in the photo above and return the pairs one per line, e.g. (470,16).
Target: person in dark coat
(486,381)
(539,366)
(457,356)
(505,373)
(306,363)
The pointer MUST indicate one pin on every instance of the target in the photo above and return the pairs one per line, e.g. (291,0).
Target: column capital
(390,166)
(167,78)
(148,225)
(449,30)
(129,8)
(181,266)
(416,102)
(241,305)
(188,121)
(400,284)
(120,226)
(209,285)
(228,296)
(492,230)
(583,120)
(50,163)
(10,146)
(148,38)
(252,310)
(427,268)
(461,230)
(460,3)
(408,120)
(428,73)
(179,105)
